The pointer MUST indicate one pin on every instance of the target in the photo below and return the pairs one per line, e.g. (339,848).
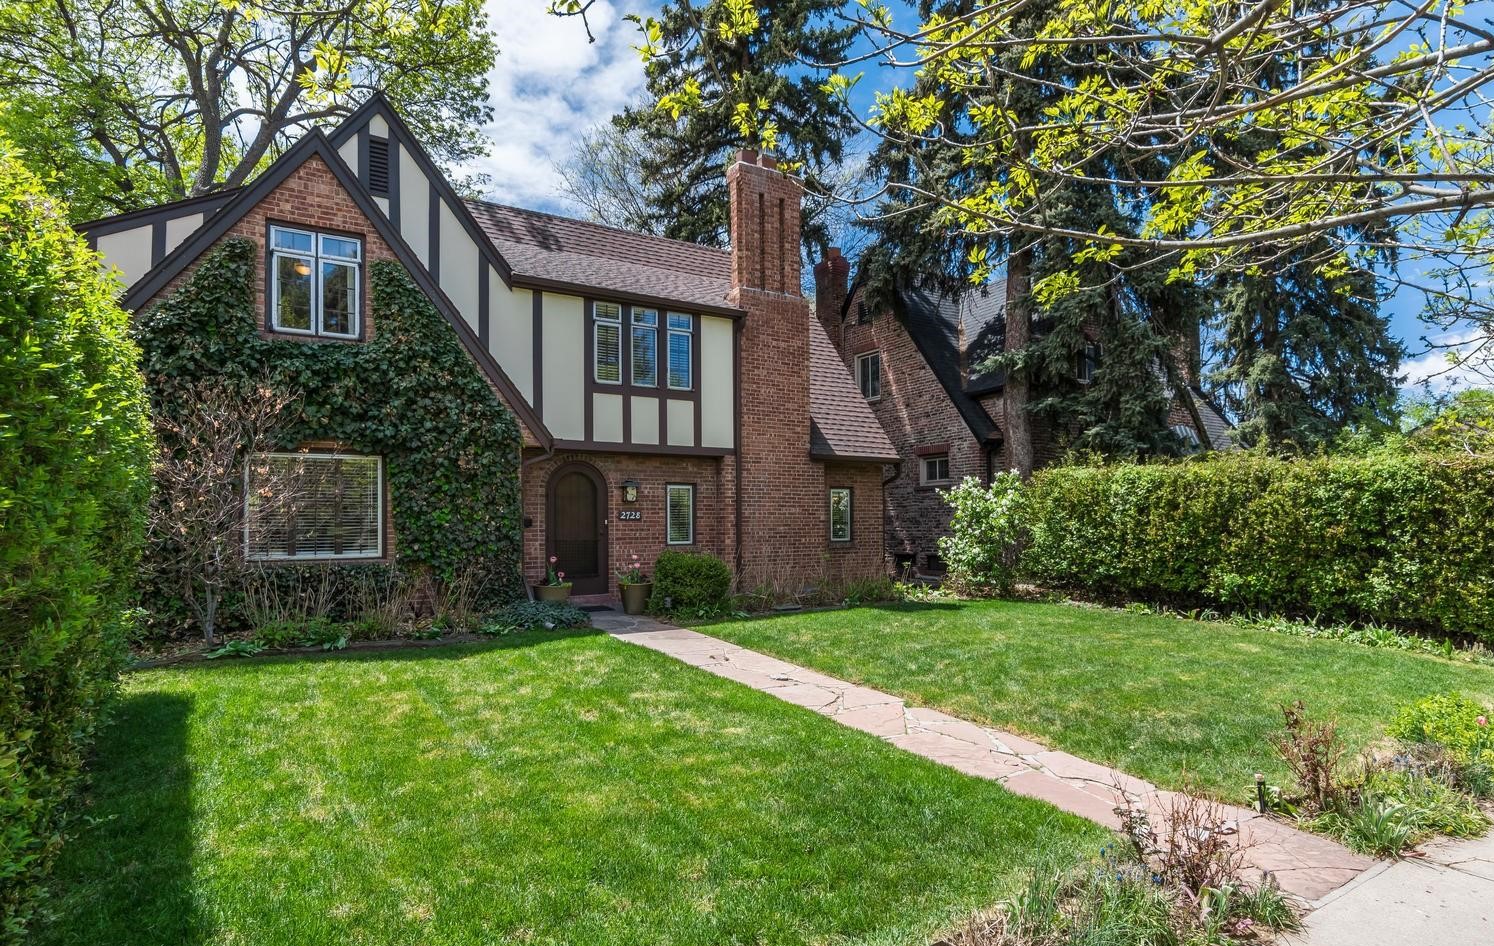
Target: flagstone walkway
(1305,865)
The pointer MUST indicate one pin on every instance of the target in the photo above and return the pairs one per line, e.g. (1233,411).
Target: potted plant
(635,587)
(555,588)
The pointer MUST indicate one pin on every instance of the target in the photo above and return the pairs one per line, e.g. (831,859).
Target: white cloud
(1433,371)
(548,87)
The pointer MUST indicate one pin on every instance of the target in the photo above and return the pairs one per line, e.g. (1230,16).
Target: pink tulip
(1483,720)
(560,574)
(554,559)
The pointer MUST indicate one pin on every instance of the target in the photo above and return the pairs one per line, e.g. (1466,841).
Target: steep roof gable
(841,423)
(316,144)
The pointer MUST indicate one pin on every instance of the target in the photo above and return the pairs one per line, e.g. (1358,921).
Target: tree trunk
(1018,421)
(209,612)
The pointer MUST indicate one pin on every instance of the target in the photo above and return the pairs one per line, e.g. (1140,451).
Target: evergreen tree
(802,123)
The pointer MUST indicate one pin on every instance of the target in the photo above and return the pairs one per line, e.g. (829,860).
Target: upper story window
(1189,437)
(645,368)
(316,283)
(1089,361)
(681,342)
(869,374)
(840,515)
(935,469)
(314,506)
(607,342)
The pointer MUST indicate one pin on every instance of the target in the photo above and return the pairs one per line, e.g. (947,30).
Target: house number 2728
(631,515)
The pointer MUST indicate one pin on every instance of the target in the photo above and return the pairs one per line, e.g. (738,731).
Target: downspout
(897,471)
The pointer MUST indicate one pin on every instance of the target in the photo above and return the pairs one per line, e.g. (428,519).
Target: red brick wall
(916,413)
(784,497)
(715,511)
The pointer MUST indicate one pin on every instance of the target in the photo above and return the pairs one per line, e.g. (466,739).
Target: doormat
(594,608)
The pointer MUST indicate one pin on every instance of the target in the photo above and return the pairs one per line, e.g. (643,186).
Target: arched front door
(576,533)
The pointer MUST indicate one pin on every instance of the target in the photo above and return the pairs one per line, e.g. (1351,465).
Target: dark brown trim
(625,363)
(852,458)
(537,338)
(696,344)
(931,450)
(433,233)
(394,152)
(588,365)
(363,159)
(602,582)
(168,211)
(484,319)
(315,143)
(587,446)
(566,287)
(157,242)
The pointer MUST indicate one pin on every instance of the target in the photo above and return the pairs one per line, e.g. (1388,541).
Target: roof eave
(550,284)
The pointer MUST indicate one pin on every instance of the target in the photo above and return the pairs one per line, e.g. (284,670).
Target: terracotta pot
(635,596)
(553,592)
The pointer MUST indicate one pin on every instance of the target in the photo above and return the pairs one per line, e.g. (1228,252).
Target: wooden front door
(577,533)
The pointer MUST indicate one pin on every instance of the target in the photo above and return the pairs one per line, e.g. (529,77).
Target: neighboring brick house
(923,369)
(670,395)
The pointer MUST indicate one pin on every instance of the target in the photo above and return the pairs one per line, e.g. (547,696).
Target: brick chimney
(782,491)
(832,277)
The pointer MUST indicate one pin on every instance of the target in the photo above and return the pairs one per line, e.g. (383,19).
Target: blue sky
(550,86)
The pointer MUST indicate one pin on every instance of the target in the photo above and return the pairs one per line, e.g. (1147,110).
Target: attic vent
(378,165)
(863,315)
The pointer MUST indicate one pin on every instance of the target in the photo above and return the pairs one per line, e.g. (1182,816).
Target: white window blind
(681,351)
(607,342)
(314,506)
(680,513)
(646,347)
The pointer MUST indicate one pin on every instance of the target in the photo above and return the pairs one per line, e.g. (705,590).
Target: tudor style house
(671,396)
(923,369)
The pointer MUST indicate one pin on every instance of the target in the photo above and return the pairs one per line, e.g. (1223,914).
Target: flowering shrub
(988,522)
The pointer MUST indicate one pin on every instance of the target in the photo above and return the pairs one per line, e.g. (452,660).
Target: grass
(550,788)
(1180,703)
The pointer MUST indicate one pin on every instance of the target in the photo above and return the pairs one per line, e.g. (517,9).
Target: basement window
(315,283)
(323,506)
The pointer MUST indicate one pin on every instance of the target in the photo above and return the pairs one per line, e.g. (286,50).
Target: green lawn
(1169,700)
(543,789)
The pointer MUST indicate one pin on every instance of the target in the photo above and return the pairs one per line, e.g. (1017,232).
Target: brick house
(670,395)
(923,370)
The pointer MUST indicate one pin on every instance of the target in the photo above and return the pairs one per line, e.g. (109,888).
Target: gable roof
(547,251)
(841,423)
(316,144)
(933,320)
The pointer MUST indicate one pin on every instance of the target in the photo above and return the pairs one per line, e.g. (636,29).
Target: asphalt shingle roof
(841,424)
(584,254)
(933,320)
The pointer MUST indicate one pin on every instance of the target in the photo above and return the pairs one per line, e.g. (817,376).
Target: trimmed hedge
(1393,538)
(691,583)
(411,394)
(74,480)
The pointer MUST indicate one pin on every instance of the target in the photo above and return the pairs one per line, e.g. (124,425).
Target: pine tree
(802,124)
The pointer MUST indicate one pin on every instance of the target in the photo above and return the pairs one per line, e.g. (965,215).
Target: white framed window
(645,368)
(869,374)
(315,283)
(681,342)
(934,468)
(1189,437)
(606,342)
(1089,361)
(313,506)
(679,514)
(840,514)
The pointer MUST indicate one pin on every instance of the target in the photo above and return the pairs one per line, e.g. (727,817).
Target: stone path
(1305,865)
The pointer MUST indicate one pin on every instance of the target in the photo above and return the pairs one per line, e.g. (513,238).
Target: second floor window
(869,374)
(315,283)
(1089,360)
(681,352)
(646,347)
(607,342)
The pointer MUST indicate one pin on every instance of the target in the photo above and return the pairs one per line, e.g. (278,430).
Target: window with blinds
(314,506)
(681,352)
(646,348)
(607,342)
(680,514)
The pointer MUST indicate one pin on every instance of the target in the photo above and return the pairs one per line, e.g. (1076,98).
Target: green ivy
(74,480)
(411,394)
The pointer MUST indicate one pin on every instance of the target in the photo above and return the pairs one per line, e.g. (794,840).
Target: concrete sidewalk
(1305,865)
(1445,897)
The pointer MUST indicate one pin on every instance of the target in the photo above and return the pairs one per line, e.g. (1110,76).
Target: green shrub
(533,616)
(74,479)
(1452,721)
(987,524)
(691,583)
(1387,537)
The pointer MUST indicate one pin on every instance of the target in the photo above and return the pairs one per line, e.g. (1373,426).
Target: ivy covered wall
(411,394)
